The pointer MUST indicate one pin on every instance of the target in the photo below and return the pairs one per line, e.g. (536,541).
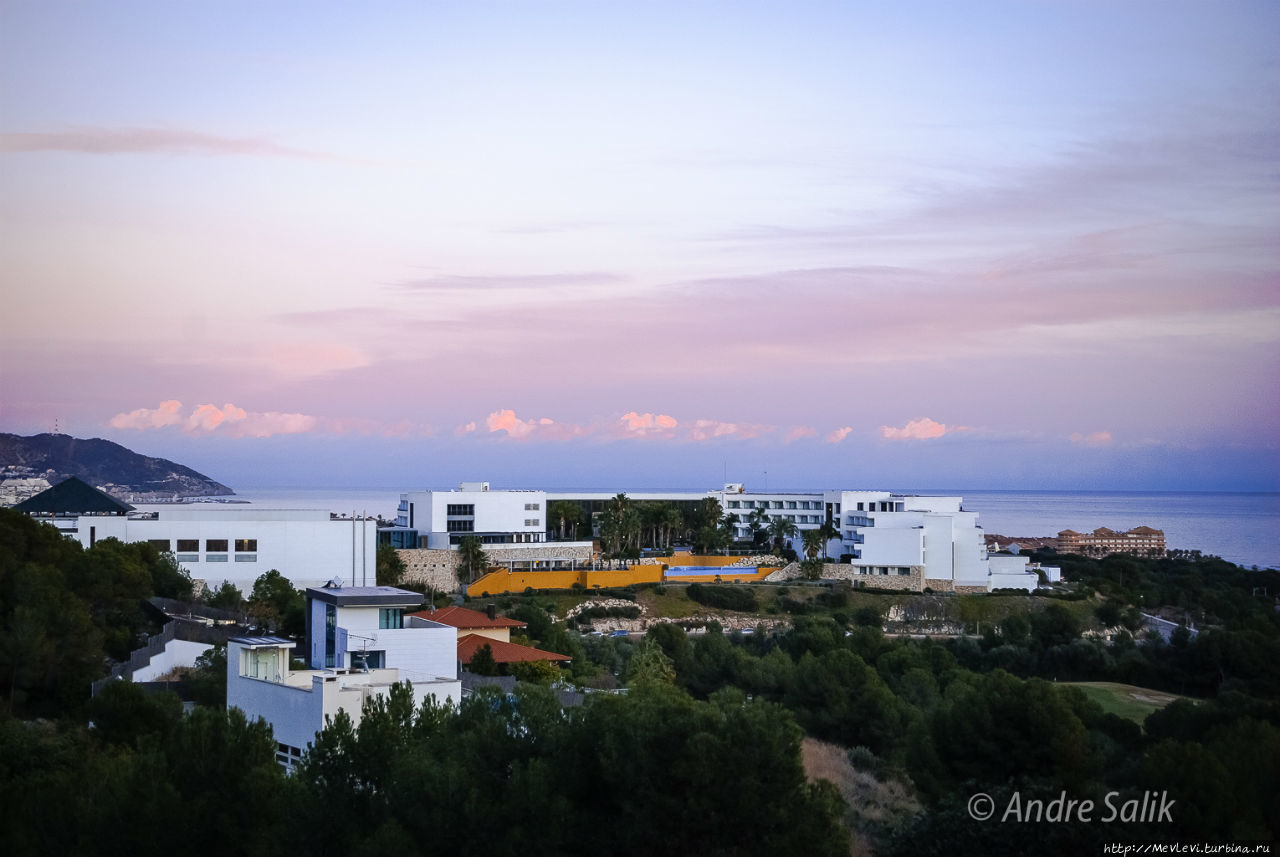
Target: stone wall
(940,584)
(438,567)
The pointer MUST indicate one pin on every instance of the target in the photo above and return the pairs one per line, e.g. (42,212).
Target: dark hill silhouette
(119,471)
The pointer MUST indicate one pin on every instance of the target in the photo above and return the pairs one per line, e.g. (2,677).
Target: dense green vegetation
(701,755)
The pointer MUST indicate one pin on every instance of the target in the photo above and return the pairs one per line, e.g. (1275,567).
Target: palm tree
(672,523)
(828,531)
(472,560)
(619,525)
(757,522)
(780,530)
(567,513)
(813,543)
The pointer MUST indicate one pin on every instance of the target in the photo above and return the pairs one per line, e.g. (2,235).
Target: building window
(532,522)
(369,660)
(748,504)
(734,504)
(390,617)
(777,504)
(216,545)
(246,545)
(246,557)
(159,544)
(532,507)
(215,557)
(187,557)
(188,545)
(330,635)
(459,526)
(460,509)
(791,504)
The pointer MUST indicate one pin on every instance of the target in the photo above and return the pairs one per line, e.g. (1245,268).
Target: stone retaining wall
(438,567)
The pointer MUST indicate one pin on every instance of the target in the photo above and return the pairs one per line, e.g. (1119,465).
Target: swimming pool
(703,570)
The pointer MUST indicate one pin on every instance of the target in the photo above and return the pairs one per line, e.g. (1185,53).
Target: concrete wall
(177,653)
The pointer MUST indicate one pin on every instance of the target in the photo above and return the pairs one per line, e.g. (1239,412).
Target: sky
(1023,245)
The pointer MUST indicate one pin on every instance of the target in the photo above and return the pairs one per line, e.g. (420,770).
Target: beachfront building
(359,643)
(895,541)
(1140,541)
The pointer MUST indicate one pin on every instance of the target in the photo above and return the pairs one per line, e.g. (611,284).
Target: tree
(620,526)
(781,530)
(758,524)
(275,604)
(672,525)
(472,560)
(650,666)
(813,543)
(225,597)
(828,531)
(390,567)
(482,662)
(534,672)
(566,515)
(168,578)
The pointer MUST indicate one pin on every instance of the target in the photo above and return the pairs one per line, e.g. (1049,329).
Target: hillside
(115,469)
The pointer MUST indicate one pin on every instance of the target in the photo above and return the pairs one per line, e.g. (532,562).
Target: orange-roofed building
(1140,541)
(476,629)
(503,653)
(473,622)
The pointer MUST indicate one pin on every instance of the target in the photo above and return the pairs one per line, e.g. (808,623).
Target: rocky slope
(109,466)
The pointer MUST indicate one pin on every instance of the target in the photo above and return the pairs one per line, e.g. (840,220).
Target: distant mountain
(119,471)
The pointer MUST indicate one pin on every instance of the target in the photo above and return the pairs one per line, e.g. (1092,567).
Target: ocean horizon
(1240,527)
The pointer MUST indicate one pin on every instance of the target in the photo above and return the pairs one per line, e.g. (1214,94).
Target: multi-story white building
(216,543)
(439,519)
(360,643)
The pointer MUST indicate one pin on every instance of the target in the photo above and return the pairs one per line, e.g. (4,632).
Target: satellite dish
(335,583)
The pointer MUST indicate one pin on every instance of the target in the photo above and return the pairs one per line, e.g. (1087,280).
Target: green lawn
(1125,700)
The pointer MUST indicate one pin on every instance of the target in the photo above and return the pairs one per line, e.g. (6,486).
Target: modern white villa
(359,643)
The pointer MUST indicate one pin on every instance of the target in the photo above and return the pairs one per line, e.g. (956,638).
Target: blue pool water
(693,570)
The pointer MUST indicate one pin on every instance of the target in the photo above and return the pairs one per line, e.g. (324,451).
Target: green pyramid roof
(73,496)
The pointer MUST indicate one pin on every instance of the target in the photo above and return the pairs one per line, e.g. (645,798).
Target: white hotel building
(881,534)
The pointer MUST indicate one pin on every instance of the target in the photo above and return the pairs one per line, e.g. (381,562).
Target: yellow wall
(503,581)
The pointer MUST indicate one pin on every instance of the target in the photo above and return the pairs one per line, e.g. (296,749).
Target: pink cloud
(839,434)
(209,417)
(646,423)
(544,427)
(711,429)
(206,419)
(465,428)
(800,432)
(1097,438)
(400,428)
(921,429)
(149,418)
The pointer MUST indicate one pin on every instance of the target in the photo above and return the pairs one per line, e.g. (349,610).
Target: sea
(1243,528)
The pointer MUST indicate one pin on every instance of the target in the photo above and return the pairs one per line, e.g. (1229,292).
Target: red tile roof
(462,618)
(503,653)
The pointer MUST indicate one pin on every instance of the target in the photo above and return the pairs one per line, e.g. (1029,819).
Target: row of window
(459,526)
(215,557)
(532,507)
(775,504)
(460,509)
(532,522)
(210,545)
